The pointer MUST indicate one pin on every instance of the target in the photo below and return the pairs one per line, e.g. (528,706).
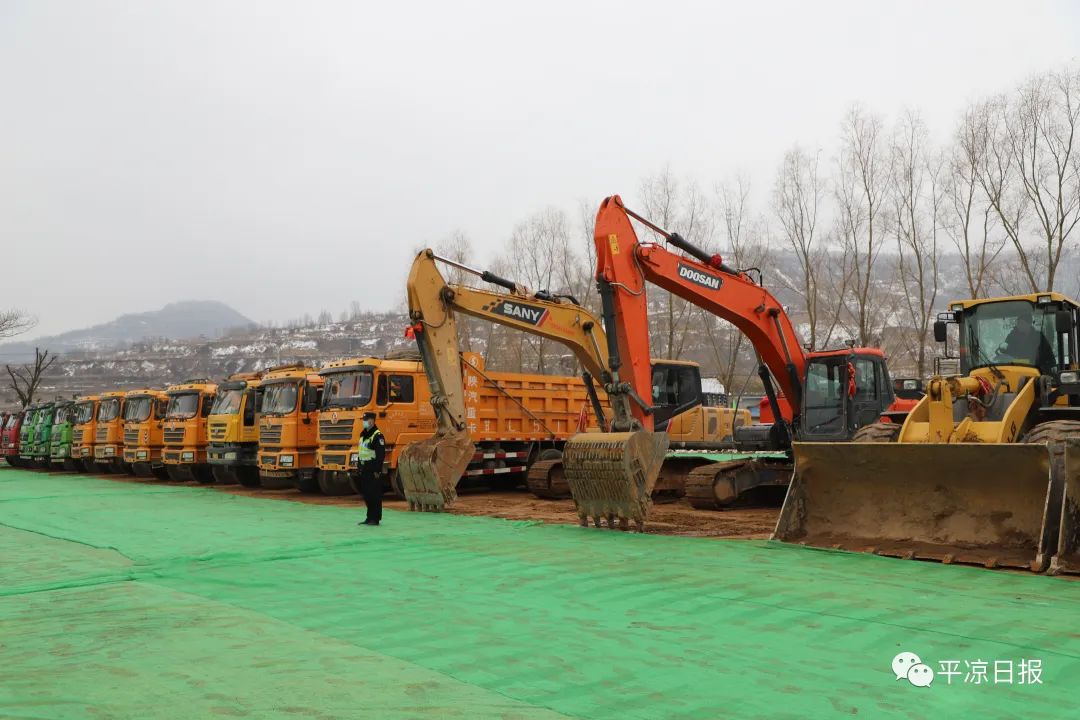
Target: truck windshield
(347,389)
(228,402)
(62,414)
(1012,332)
(108,410)
(84,412)
(137,409)
(12,419)
(280,398)
(182,406)
(824,395)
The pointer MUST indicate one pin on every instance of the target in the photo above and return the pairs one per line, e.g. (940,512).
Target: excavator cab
(844,391)
(676,388)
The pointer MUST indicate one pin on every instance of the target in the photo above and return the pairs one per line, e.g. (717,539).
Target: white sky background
(285,157)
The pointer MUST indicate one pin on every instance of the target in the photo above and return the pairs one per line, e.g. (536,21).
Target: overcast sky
(285,157)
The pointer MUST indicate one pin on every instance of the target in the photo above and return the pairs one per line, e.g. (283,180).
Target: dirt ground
(674,517)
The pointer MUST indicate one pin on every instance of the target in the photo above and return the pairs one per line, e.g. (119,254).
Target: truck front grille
(102,435)
(218,431)
(341,430)
(131,437)
(174,436)
(270,435)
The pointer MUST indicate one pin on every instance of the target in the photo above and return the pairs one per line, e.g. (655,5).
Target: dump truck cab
(395,390)
(289,428)
(83,432)
(964,477)
(185,432)
(144,421)
(233,428)
(27,432)
(60,443)
(9,437)
(43,436)
(109,432)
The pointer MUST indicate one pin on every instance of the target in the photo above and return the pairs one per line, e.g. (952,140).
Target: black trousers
(371,487)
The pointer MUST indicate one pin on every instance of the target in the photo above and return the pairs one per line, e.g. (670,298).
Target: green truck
(63,421)
(28,435)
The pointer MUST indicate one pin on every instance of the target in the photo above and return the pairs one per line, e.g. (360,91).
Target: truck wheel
(397,487)
(306,482)
(336,483)
(877,432)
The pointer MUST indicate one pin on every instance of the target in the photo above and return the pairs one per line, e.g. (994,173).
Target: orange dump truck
(109,433)
(289,428)
(234,429)
(82,435)
(514,419)
(144,421)
(185,432)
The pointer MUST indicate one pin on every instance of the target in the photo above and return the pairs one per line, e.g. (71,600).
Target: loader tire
(877,432)
(1054,434)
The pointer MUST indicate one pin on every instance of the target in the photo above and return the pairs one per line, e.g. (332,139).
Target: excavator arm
(431,468)
(624,266)
(616,471)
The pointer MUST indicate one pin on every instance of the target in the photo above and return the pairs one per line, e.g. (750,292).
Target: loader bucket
(1067,559)
(612,475)
(991,505)
(430,470)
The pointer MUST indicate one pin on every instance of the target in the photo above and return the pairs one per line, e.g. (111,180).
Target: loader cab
(676,387)
(1035,331)
(844,390)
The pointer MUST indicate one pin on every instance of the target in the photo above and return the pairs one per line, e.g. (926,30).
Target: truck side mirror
(1064,321)
(940,331)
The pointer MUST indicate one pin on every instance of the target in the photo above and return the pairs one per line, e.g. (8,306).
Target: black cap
(369,415)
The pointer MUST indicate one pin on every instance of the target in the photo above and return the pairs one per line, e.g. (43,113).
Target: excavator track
(547,481)
(719,485)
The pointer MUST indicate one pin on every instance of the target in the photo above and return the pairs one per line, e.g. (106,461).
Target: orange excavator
(823,396)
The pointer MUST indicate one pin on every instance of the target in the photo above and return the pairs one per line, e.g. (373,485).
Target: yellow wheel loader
(984,470)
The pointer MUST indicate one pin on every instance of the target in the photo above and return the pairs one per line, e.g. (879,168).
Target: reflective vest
(364,453)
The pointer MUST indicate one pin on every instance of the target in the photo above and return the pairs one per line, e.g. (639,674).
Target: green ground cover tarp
(120,600)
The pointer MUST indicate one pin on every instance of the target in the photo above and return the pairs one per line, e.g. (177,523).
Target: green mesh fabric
(124,600)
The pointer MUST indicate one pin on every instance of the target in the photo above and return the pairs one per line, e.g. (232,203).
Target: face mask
(367,424)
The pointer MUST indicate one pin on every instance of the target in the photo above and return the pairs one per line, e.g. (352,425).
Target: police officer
(369,464)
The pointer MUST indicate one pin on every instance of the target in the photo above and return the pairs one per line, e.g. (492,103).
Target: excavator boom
(613,469)
(430,469)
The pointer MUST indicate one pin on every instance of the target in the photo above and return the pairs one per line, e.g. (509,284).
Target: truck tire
(336,483)
(1054,434)
(877,432)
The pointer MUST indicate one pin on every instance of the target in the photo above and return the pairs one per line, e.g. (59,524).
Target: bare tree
(15,322)
(538,251)
(916,204)
(797,198)
(745,246)
(458,247)
(24,380)
(677,207)
(969,219)
(1031,172)
(861,188)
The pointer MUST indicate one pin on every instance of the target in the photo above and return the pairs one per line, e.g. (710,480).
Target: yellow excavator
(430,469)
(985,469)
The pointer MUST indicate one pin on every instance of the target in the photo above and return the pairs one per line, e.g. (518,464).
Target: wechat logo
(908,665)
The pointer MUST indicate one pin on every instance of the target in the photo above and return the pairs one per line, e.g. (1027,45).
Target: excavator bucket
(612,475)
(430,470)
(991,505)
(1067,559)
